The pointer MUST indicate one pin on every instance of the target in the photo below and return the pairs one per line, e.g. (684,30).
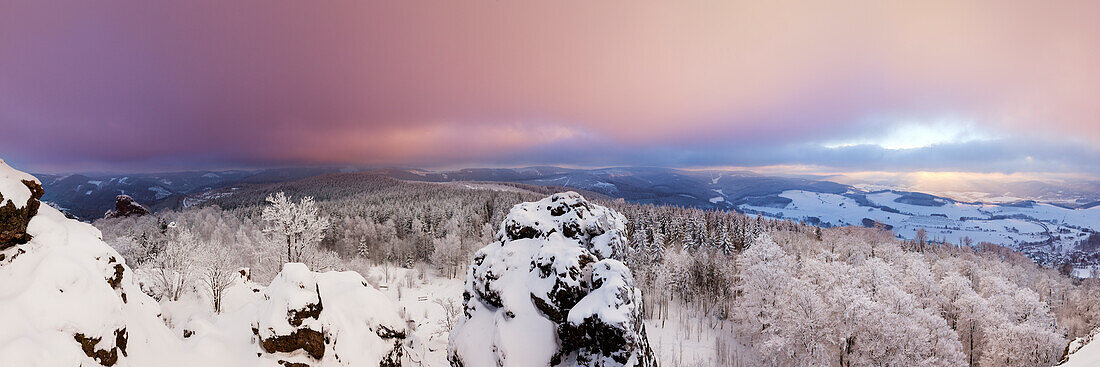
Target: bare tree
(174,265)
(217,272)
(451,312)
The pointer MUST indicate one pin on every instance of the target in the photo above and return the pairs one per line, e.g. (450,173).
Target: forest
(748,289)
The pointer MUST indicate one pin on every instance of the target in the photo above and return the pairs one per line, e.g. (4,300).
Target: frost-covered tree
(296,226)
(174,266)
(449,255)
(217,271)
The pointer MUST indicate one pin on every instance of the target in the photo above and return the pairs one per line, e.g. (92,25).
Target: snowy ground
(683,340)
(680,340)
(998,224)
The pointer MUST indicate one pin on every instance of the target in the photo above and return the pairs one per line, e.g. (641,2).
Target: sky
(1000,88)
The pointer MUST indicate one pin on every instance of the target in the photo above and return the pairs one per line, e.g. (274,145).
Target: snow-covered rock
(67,298)
(327,319)
(550,291)
(598,229)
(1083,351)
(19,195)
(126,206)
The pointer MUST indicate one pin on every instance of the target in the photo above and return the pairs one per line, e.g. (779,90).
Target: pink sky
(131,85)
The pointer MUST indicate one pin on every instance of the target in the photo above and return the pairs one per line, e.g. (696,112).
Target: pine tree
(361,249)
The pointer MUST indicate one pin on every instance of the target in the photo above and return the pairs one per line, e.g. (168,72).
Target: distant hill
(89,196)
(1046,232)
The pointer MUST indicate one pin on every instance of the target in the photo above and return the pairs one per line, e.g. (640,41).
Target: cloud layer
(247,83)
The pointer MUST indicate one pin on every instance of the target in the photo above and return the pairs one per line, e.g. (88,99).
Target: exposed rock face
(107,356)
(308,318)
(551,280)
(126,206)
(19,201)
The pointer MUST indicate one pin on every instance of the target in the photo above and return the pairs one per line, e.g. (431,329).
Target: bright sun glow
(913,135)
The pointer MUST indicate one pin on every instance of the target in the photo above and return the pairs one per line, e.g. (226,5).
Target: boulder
(332,318)
(126,206)
(552,291)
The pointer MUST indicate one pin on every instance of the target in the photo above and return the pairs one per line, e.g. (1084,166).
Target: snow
(604,187)
(353,314)
(160,192)
(604,301)
(66,283)
(58,288)
(547,250)
(579,216)
(490,336)
(1083,351)
(11,186)
(993,223)
(717,199)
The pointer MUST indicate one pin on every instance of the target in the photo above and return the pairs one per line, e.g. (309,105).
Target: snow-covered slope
(69,299)
(1043,231)
(1083,351)
(550,292)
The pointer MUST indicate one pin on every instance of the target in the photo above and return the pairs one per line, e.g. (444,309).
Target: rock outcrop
(68,298)
(19,201)
(333,318)
(126,206)
(551,291)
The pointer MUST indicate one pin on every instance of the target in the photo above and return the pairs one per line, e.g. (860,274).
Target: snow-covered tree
(448,254)
(174,265)
(218,269)
(296,226)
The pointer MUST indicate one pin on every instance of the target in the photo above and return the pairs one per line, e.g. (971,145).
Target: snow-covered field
(1009,225)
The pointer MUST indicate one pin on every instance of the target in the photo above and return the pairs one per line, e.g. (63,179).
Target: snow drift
(551,291)
(68,298)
